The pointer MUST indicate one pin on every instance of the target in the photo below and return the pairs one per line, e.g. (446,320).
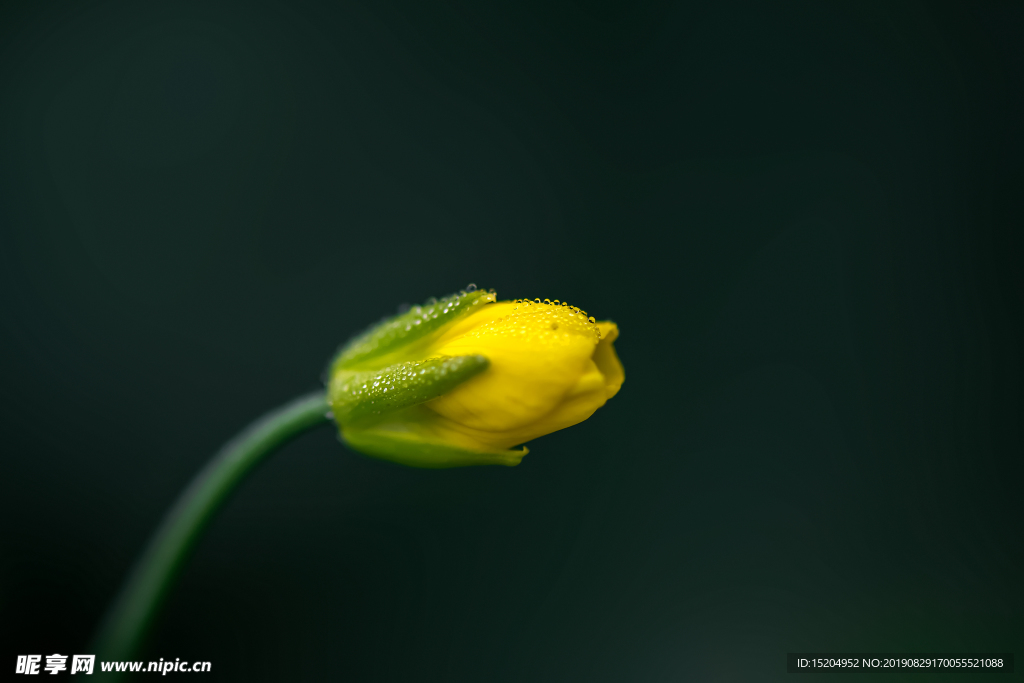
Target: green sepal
(410,450)
(361,395)
(395,334)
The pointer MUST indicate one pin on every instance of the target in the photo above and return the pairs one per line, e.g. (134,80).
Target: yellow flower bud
(520,369)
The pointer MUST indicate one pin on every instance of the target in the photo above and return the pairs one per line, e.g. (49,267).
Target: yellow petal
(485,315)
(607,360)
(538,353)
(580,403)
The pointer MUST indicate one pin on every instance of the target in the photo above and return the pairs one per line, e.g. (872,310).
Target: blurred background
(806,220)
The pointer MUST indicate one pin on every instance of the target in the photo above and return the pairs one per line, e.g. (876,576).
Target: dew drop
(555,302)
(547,301)
(471,287)
(536,301)
(592,319)
(432,301)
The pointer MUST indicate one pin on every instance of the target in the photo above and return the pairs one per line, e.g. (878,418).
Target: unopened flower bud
(463,380)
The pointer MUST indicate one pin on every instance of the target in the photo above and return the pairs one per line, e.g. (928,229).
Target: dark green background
(805,217)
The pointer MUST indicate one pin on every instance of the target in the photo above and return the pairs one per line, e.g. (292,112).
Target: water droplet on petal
(592,319)
(470,287)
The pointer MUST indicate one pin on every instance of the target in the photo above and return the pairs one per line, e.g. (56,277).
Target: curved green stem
(133,612)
